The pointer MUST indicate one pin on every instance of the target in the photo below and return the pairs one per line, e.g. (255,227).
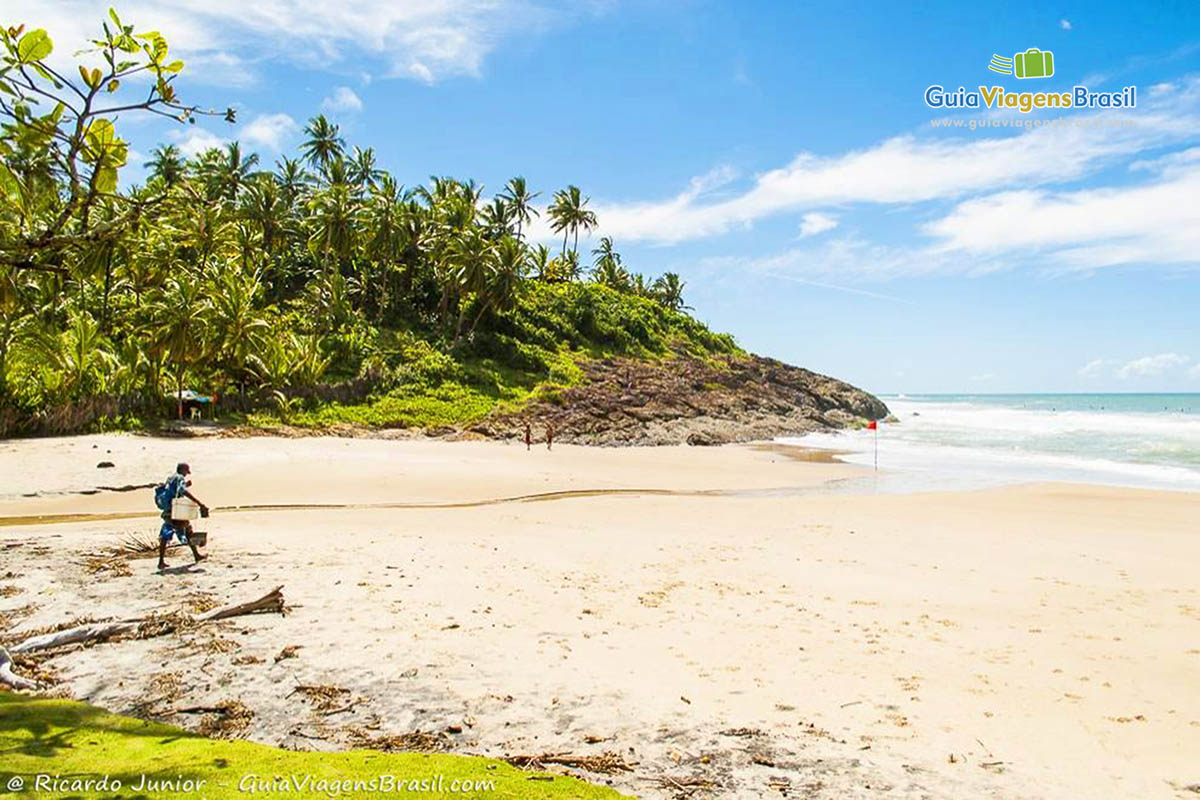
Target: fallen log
(10,678)
(92,632)
(101,631)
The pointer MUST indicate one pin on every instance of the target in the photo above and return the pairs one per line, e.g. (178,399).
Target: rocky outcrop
(677,400)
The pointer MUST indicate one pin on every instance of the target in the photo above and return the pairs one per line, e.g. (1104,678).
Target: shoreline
(745,639)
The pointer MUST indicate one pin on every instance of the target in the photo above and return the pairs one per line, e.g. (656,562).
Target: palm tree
(292,178)
(235,170)
(539,262)
(363,171)
(337,172)
(468,268)
(334,221)
(179,315)
(386,231)
(166,164)
(606,256)
(497,216)
(612,275)
(502,277)
(668,290)
(568,213)
(81,354)
(520,202)
(265,204)
(236,324)
(324,142)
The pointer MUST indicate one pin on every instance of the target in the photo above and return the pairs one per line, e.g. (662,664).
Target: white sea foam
(972,442)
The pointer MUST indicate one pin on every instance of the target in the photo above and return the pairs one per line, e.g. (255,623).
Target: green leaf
(112,12)
(92,78)
(40,70)
(34,46)
(113,84)
(107,180)
(174,66)
(100,132)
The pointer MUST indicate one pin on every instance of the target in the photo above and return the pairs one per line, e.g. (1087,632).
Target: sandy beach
(732,621)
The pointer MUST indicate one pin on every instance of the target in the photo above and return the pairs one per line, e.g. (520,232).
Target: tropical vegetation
(314,290)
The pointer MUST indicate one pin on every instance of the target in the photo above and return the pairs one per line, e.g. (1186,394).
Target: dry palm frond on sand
(226,720)
(419,741)
(323,697)
(683,786)
(606,763)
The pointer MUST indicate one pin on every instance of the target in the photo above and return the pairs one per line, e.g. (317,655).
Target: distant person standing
(175,486)
(549,436)
(528,435)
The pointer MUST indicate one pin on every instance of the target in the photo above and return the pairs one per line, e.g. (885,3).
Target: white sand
(1046,636)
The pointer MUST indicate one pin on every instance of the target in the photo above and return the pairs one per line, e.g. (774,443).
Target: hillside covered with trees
(314,290)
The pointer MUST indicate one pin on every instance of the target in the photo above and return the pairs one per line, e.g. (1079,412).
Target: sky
(779,156)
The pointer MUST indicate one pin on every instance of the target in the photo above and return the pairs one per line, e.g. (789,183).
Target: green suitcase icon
(1033,63)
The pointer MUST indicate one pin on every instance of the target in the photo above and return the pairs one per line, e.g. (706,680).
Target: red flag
(871,426)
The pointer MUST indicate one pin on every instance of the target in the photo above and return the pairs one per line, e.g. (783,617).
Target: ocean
(956,441)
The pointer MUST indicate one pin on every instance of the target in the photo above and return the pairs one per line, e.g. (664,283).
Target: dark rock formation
(677,400)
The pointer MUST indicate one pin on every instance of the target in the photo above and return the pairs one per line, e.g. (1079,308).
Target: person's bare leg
(162,553)
(187,532)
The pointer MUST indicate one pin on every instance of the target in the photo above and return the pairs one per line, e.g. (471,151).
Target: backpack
(163,497)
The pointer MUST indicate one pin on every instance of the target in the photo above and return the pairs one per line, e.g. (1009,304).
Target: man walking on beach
(528,436)
(176,485)
(549,436)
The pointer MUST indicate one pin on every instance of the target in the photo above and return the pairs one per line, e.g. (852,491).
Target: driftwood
(92,632)
(100,631)
(10,678)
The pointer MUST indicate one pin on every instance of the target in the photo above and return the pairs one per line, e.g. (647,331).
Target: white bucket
(182,508)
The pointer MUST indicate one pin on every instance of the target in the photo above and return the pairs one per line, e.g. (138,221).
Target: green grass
(74,740)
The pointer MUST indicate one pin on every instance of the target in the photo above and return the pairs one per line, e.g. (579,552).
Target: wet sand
(670,605)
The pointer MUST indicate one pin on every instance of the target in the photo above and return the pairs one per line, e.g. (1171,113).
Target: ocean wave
(971,441)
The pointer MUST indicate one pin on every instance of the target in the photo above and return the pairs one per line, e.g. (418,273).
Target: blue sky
(779,156)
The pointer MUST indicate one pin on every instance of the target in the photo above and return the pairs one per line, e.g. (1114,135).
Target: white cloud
(420,72)
(848,258)
(1065,24)
(1155,222)
(223,39)
(815,222)
(909,169)
(197,140)
(270,130)
(1151,366)
(1093,368)
(342,99)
